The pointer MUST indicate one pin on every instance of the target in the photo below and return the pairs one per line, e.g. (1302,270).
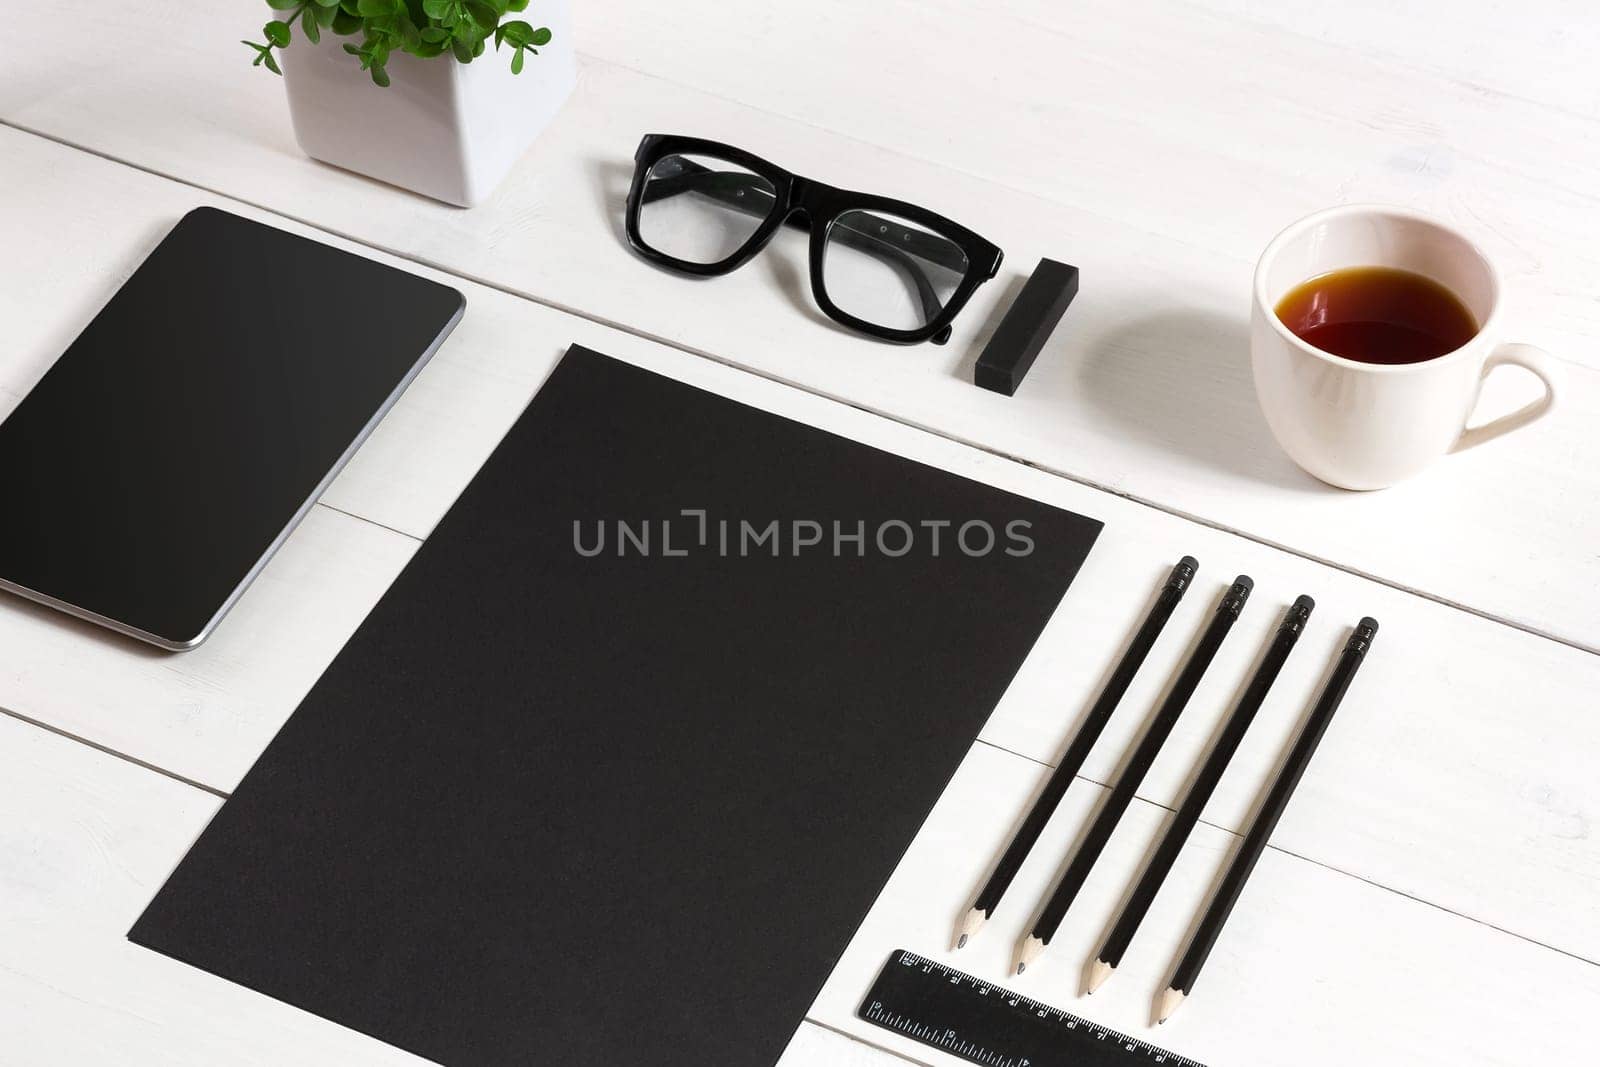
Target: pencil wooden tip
(970,925)
(1030,950)
(1171,1000)
(1099,971)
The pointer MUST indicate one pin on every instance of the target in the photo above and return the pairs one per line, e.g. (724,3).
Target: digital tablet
(154,469)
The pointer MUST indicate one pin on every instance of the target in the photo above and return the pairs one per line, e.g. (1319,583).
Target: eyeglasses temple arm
(749,194)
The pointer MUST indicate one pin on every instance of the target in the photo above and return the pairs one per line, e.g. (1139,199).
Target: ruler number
(985,1032)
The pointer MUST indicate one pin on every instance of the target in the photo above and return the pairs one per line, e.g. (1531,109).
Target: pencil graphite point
(1099,971)
(1027,952)
(1171,1000)
(970,925)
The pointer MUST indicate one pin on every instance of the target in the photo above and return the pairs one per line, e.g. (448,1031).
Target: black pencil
(1255,840)
(1205,783)
(1144,755)
(1072,762)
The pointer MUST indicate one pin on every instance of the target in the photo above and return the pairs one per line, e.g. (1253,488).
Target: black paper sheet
(564,803)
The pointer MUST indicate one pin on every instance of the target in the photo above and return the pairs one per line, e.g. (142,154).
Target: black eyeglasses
(889,269)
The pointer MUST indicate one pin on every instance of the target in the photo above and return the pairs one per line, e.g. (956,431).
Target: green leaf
(283,5)
(463,51)
(352,49)
(272,64)
(344,23)
(326,3)
(437,9)
(484,15)
(375,8)
(380,76)
(517,5)
(541,35)
(515,33)
(308,25)
(516,61)
(277,32)
(434,35)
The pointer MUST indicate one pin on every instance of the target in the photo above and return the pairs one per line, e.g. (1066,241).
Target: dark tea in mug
(1377,315)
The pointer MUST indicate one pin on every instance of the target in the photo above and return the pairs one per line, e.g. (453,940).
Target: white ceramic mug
(1366,425)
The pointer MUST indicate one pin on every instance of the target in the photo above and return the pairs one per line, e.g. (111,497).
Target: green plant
(422,27)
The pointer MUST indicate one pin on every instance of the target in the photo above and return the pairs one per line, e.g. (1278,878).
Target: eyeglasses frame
(807,204)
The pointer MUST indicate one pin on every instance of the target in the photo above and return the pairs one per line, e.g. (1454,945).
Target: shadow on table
(1180,380)
(611,180)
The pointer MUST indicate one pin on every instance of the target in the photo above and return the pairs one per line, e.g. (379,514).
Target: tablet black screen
(162,458)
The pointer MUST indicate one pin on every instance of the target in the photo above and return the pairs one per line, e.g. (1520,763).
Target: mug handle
(1537,362)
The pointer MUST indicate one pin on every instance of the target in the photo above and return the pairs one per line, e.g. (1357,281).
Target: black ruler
(988,1024)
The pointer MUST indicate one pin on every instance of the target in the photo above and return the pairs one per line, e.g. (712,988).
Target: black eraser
(1027,325)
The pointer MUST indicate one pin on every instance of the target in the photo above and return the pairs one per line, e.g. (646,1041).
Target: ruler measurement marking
(919,998)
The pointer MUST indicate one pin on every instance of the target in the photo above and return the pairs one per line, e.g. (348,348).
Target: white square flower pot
(445,129)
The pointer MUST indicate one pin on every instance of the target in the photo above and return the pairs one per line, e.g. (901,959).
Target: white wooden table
(1433,894)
